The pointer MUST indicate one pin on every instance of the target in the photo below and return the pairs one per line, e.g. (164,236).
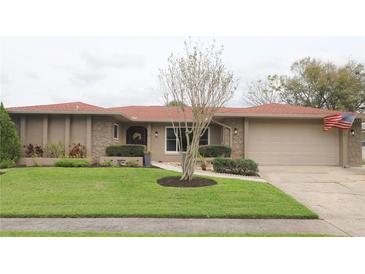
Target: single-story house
(272,134)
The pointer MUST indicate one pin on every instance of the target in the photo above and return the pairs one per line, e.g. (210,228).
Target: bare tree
(200,80)
(266,91)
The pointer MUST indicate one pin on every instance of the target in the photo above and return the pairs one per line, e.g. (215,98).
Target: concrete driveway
(335,193)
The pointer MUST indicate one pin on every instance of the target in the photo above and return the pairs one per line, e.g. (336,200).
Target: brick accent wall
(102,136)
(237,142)
(354,145)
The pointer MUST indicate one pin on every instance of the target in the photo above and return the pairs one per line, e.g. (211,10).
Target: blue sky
(117,71)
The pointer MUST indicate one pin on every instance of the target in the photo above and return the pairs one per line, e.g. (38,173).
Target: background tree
(200,80)
(265,91)
(9,139)
(314,83)
(174,103)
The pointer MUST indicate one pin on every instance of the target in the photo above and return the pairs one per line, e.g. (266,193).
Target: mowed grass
(126,234)
(133,192)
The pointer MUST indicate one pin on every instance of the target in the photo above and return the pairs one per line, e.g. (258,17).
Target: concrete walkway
(209,173)
(336,194)
(170,225)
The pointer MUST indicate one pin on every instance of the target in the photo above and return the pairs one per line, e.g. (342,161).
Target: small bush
(131,163)
(6,163)
(126,150)
(107,163)
(36,162)
(212,151)
(77,151)
(72,163)
(54,150)
(235,166)
(33,150)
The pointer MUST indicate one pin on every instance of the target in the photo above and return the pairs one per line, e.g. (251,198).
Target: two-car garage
(278,141)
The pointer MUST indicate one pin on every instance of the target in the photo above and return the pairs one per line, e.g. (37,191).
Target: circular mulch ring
(176,182)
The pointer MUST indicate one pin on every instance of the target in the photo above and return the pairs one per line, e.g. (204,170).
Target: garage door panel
(292,142)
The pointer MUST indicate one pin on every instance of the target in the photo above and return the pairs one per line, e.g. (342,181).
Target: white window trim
(177,152)
(118,132)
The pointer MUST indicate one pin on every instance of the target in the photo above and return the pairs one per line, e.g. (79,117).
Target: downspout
(228,127)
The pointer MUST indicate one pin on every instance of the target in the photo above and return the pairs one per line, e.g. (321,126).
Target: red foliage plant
(77,151)
(33,150)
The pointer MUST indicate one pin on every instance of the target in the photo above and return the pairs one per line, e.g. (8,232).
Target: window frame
(118,132)
(176,152)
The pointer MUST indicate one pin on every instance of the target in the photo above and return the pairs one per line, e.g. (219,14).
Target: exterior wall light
(352,132)
(156,134)
(235,131)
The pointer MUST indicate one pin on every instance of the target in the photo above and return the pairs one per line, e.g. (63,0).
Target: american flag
(339,120)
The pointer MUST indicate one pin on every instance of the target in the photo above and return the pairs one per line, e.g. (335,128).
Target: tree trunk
(188,166)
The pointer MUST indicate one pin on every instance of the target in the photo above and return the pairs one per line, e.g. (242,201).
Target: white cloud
(86,78)
(118,61)
(33,75)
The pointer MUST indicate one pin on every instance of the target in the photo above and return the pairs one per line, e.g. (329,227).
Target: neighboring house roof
(163,113)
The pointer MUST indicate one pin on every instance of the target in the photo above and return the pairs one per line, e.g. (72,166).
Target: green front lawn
(126,234)
(131,192)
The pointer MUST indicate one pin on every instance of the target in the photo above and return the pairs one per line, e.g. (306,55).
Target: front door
(137,135)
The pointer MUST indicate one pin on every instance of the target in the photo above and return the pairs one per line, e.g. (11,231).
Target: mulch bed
(176,182)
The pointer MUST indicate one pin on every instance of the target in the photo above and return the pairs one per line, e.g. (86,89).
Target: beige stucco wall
(56,129)
(354,145)
(34,130)
(78,130)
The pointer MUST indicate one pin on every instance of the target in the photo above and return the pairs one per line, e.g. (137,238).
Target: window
(172,144)
(116,132)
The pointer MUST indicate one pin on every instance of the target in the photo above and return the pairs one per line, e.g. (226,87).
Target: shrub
(72,163)
(126,150)
(54,150)
(77,151)
(235,166)
(131,163)
(9,139)
(6,163)
(33,150)
(107,163)
(215,151)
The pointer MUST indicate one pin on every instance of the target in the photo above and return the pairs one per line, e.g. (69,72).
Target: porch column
(149,137)
(23,127)
(67,134)
(88,137)
(245,137)
(343,148)
(45,130)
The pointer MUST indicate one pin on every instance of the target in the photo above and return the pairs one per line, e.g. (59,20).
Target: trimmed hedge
(212,151)
(72,163)
(126,150)
(235,166)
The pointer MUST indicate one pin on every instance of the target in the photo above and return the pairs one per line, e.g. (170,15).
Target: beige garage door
(292,142)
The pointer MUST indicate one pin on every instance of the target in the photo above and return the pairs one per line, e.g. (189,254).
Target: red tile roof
(278,109)
(64,107)
(153,113)
(162,113)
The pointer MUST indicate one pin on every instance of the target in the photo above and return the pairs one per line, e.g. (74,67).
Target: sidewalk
(169,225)
(209,173)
